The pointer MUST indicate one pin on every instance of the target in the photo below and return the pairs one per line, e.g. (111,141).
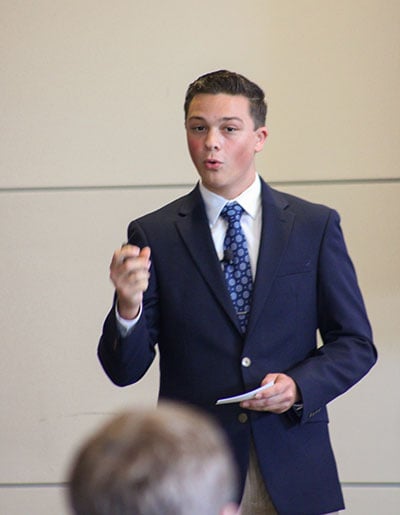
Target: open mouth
(212,163)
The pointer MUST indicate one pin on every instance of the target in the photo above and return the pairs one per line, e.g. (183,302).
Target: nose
(212,141)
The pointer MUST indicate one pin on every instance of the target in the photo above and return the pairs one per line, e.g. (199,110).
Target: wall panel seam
(358,484)
(112,187)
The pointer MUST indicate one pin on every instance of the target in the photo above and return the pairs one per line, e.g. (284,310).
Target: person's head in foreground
(169,460)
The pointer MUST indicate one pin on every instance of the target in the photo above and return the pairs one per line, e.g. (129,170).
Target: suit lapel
(194,230)
(277,223)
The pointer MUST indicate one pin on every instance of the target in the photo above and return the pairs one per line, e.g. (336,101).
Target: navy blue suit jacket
(305,282)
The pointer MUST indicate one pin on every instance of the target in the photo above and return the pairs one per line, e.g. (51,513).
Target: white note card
(244,396)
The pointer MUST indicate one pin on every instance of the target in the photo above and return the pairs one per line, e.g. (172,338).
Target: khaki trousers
(256,500)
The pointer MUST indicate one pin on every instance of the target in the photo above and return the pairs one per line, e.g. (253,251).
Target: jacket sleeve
(126,359)
(347,351)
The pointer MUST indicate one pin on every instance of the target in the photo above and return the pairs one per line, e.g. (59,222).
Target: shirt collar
(250,200)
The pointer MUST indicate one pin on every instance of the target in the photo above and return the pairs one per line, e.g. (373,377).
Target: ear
(261,136)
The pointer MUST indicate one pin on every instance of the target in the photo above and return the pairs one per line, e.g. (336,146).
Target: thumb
(268,378)
(145,253)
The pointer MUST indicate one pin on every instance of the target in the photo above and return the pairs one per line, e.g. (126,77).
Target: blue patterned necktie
(237,263)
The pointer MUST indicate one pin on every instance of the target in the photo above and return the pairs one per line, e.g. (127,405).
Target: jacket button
(246,362)
(242,417)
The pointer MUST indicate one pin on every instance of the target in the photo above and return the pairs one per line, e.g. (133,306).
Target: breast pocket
(295,266)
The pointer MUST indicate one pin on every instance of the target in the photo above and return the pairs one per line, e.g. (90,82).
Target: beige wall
(92,136)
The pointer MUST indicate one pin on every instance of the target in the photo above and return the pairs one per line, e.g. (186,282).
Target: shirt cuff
(126,326)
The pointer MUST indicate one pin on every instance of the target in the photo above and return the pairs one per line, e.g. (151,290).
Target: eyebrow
(223,119)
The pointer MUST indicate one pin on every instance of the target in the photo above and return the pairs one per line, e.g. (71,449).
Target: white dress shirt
(250,200)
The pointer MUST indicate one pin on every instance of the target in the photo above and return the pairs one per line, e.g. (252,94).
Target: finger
(145,253)
(121,254)
(131,252)
(271,377)
(127,252)
(267,400)
(266,405)
(132,274)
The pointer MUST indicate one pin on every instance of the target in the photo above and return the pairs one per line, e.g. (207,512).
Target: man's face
(222,142)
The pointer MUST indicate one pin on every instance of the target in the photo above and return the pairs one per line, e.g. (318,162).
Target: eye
(198,128)
(230,129)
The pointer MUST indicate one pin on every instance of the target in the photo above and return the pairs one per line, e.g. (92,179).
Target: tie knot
(232,212)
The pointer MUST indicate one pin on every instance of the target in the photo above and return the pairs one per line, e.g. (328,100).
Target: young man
(172,460)
(241,279)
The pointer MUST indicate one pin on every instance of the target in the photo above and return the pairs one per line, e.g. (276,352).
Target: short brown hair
(230,83)
(171,460)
